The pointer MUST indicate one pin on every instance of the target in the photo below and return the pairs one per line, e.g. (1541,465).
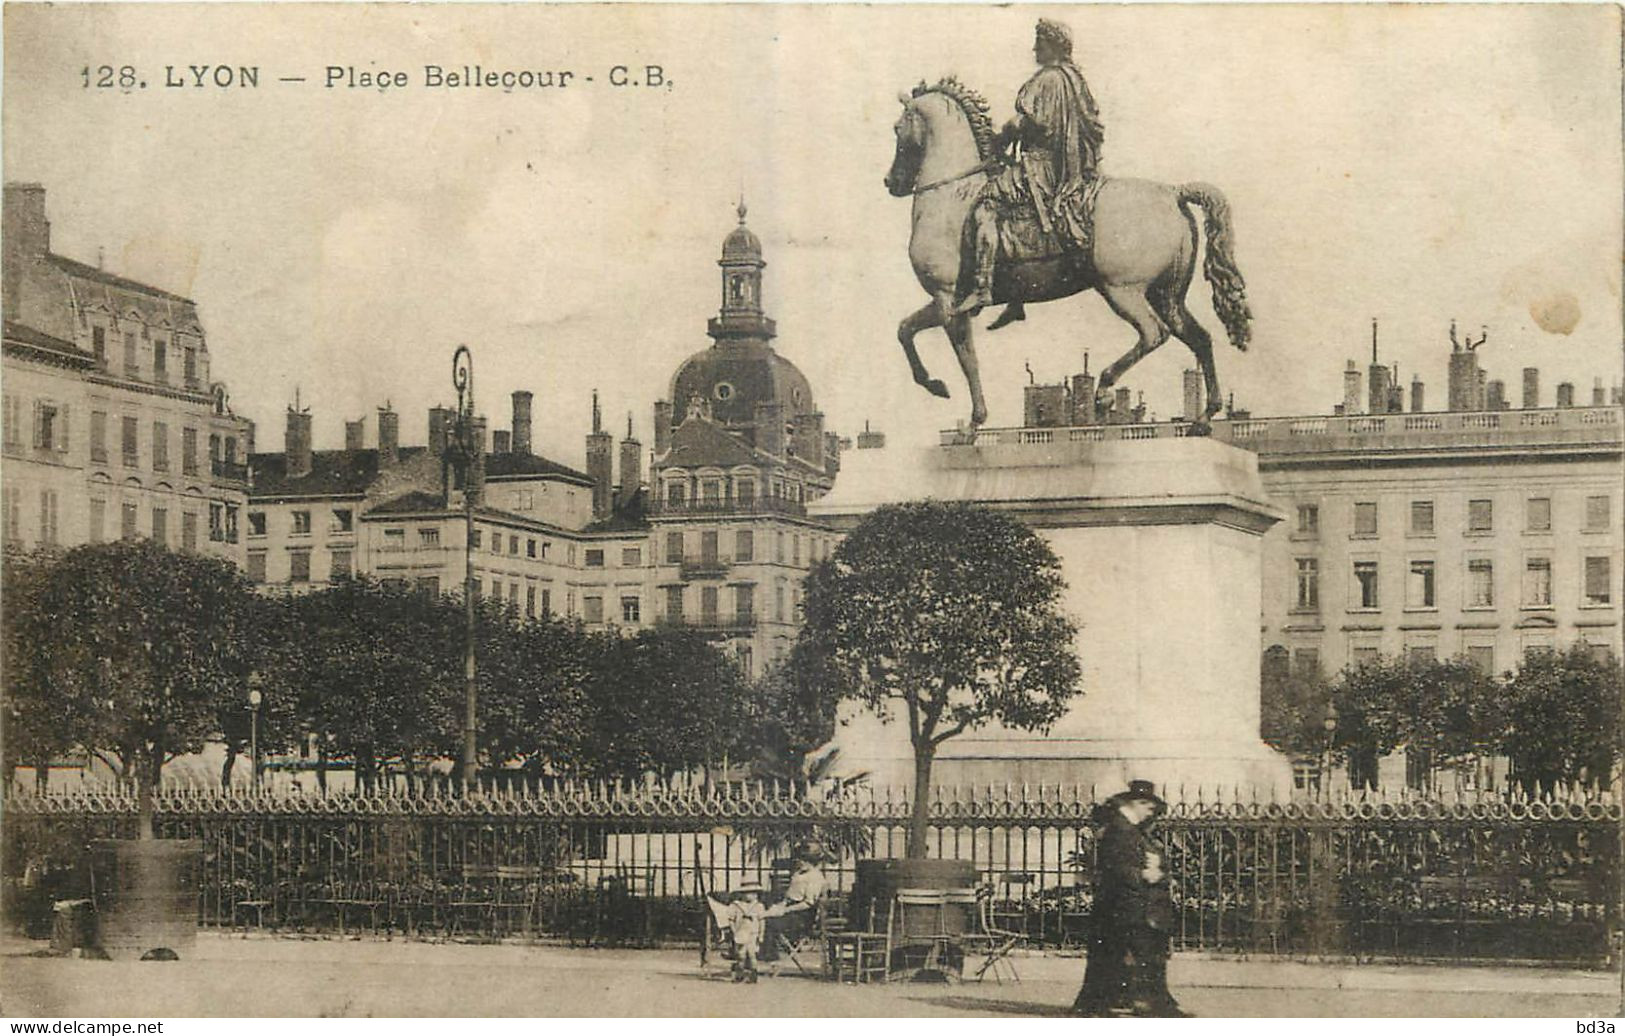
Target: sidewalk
(268,976)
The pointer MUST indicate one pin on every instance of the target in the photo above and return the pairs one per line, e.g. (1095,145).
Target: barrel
(146,895)
(878,881)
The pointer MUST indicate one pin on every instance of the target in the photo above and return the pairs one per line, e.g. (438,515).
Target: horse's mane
(973,104)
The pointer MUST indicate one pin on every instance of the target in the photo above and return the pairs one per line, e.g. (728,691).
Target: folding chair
(996,942)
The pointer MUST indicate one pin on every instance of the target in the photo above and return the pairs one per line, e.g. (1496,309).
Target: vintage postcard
(733,510)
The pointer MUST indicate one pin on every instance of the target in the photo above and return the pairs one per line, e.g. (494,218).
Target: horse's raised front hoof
(936,387)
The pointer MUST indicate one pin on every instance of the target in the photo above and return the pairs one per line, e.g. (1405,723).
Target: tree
(1295,703)
(38,721)
(663,701)
(951,612)
(535,707)
(141,647)
(1560,718)
(1441,710)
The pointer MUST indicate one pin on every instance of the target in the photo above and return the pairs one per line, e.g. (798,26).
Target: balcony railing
(228,470)
(737,622)
(757,505)
(1295,435)
(702,567)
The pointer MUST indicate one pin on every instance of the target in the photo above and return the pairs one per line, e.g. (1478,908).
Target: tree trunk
(149,767)
(918,819)
(225,767)
(321,764)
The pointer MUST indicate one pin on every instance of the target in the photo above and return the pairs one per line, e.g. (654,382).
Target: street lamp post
(463,454)
(1330,726)
(254,699)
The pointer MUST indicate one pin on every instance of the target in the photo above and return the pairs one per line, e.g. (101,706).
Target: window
(394,539)
(744,604)
(160,526)
(1419,587)
(1539,512)
(674,548)
(708,604)
(513,545)
(47,518)
(428,539)
(778,601)
(708,546)
(343,520)
(131,365)
(674,604)
(299,566)
(190,358)
(160,361)
(1308,584)
(547,601)
(1306,661)
(301,523)
(50,426)
(778,548)
(530,548)
(1365,519)
(1596,514)
(1480,583)
(496,542)
(711,491)
(524,499)
(1598,581)
(1421,517)
(256,565)
(530,601)
(189,530)
(429,586)
(1600,652)
(474,538)
(745,493)
(98,520)
(1365,585)
(1364,654)
(674,494)
(98,345)
(256,523)
(744,545)
(13,514)
(1537,583)
(595,557)
(231,523)
(795,550)
(160,446)
(513,596)
(127,519)
(1482,656)
(1309,519)
(1420,654)
(592,609)
(631,557)
(189,450)
(129,443)
(98,437)
(1480,515)
(570,554)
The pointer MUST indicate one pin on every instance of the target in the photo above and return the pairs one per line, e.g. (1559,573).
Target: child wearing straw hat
(745,918)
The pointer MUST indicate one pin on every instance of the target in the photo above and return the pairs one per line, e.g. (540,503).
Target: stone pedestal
(1160,544)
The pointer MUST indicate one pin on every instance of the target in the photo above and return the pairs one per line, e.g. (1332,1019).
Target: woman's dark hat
(1142,791)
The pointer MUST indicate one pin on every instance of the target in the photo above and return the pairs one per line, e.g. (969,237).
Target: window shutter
(39,424)
(62,429)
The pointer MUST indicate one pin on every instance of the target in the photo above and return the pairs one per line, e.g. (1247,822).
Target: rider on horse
(1055,178)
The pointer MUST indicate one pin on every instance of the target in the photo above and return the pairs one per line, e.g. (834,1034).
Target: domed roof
(732,377)
(741,244)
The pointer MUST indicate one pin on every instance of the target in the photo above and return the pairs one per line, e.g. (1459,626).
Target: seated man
(792,917)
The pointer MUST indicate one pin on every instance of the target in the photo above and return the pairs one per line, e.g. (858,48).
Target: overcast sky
(1412,164)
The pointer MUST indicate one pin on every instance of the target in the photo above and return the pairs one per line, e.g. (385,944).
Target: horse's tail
(1219,265)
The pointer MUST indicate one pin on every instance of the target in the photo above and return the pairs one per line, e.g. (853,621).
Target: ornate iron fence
(1364,876)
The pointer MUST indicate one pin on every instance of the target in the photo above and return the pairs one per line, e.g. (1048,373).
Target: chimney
(389,435)
(631,466)
(442,420)
(353,432)
(521,421)
(1598,397)
(501,442)
(1531,388)
(1043,406)
(600,448)
(1463,381)
(770,428)
(25,236)
(1416,394)
(477,478)
(662,427)
(1083,399)
(871,440)
(1478,389)
(296,446)
(1495,396)
(1122,407)
(1377,383)
(1192,383)
(809,433)
(1352,385)
(1565,393)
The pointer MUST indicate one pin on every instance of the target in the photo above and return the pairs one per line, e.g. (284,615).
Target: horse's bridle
(981,167)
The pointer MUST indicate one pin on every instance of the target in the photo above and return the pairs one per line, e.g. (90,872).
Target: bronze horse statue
(1142,257)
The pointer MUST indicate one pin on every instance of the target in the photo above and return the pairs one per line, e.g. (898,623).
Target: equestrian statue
(1023,215)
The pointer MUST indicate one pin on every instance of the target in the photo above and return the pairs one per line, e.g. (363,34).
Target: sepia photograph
(754,510)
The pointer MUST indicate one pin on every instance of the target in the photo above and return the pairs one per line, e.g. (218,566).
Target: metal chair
(996,942)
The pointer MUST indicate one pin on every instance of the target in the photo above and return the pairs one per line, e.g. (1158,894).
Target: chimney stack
(631,466)
(1495,396)
(662,427)
(872,440)
(25,236)
(442,420)
(1416,394)
(1598,397)
(296,446)
(477,477)
(1531,388)
(1464,378)
(1351,389)
(1565,393)
(600,448)
(770,428)
(389,435)
(521,421)
(501,442)
(353,435)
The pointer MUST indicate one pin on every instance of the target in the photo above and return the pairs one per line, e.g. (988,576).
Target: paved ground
(234,976)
